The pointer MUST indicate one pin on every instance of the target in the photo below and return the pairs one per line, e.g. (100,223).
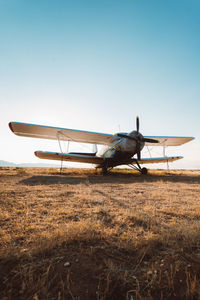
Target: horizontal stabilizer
(70,157)
(157,160)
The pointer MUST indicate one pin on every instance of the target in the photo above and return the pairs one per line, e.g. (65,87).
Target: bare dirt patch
(79,235)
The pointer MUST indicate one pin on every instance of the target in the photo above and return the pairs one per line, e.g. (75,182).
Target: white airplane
(120,148)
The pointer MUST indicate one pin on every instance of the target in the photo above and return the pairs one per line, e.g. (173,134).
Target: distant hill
(4,163)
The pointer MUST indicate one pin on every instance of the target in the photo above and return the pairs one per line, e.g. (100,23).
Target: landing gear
(143,171)
(104,171)
(106,166)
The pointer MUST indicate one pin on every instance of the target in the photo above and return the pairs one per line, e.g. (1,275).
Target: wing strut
(164,154)
(61,162)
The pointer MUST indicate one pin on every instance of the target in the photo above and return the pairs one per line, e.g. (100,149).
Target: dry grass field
(79,235)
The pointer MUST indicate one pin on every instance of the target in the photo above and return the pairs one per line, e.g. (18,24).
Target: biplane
(120,149)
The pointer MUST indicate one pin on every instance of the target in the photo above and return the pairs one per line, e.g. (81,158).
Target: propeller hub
(136,134)
(136,138)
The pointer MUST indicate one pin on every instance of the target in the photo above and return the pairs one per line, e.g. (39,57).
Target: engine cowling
(130,145)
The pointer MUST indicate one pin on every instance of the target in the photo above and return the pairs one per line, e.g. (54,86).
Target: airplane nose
(138,138)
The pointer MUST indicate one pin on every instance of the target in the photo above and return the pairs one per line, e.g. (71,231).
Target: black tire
(144,171)
(104,171)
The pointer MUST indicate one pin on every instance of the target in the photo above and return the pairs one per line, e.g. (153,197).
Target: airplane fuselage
(120,150)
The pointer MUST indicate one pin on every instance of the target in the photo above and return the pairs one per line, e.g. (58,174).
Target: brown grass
(79,235)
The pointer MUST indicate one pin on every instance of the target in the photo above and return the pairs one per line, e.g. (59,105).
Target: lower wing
(91,159)
(69,157)
(156,160)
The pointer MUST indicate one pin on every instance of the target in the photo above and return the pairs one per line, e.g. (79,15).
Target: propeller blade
(137,124)
(121,135)
(150,140)
(139,155)
(127,136)
(138,150)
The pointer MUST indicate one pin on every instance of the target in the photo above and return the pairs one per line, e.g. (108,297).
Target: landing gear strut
(143,171)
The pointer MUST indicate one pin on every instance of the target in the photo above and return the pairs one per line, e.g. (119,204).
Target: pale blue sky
(95,65)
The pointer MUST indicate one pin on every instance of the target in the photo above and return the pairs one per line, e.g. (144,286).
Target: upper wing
(69,157)
(168,140)
(64,134)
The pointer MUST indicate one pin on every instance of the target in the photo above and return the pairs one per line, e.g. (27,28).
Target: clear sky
(97,64)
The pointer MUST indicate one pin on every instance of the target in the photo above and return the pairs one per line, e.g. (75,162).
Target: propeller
(138,138)
(137,124)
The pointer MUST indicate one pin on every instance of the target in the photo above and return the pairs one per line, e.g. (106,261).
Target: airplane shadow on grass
(111,178)
(88,261)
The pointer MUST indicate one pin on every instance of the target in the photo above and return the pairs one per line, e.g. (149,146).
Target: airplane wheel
(104,171)
(144,171)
